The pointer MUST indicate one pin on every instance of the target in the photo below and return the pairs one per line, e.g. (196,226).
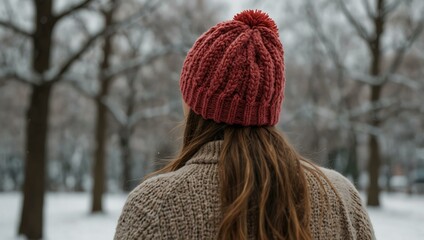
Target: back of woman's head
(233,83)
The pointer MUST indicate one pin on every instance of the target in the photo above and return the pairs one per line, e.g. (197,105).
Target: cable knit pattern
(185,204)
(234,73)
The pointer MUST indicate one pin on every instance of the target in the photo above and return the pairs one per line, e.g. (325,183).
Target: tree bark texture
(125,134)
(99,157)
(124,143)
(99,168)
(31,222)
(374,156)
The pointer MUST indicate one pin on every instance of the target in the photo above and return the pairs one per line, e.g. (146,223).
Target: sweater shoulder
(343,185)
(351,203)
(332,181)
(140,217)
(346,191)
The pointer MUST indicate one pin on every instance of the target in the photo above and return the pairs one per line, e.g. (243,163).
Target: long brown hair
(262,179)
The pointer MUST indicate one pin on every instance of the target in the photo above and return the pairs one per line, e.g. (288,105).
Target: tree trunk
(374,170)
(124,143)
(374,161)
(125,133)
(352,167)
(99,162)
(31,223)
(101,123)
(373,144)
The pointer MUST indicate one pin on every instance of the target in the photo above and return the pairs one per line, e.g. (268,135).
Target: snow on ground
(67,217)
(400,217)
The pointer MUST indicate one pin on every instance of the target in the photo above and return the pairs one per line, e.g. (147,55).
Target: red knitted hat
(234,73)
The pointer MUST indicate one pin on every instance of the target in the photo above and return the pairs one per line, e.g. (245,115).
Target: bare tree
(107,74)
(376,78)
(378,15)
(42,76)
(127,119)
(31,224)
(101,114)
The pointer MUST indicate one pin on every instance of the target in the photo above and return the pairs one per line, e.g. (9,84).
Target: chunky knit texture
(185,204)
(234,73)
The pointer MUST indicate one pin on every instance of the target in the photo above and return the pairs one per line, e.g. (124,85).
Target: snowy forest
(90,102)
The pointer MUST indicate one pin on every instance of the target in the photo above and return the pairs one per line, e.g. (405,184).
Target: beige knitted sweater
(185,204)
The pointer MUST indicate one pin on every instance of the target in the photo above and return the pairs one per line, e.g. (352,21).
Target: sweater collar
(207,154)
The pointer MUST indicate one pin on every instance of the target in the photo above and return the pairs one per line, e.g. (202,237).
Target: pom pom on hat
(256,18)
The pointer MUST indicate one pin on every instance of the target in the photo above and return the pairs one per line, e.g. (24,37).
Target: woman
(237,177)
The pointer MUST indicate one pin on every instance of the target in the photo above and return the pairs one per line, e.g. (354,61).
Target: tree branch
(134,119)
(356,25)
(55,74)
(115,111)
(88,93)
(81,24)
(330,49)
(400,53)
(16,29)
(372,106)
(402,80)
(138,62)
(367,128)
(317,26)
(21,76)
(148,113)
(71,10)
(390,7)
(365,78)
(414,107)
(368,9)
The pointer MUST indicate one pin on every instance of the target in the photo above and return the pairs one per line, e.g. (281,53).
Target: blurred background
(90,103)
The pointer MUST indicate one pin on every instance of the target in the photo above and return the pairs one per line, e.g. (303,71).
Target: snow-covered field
(67,218)
(400,217)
